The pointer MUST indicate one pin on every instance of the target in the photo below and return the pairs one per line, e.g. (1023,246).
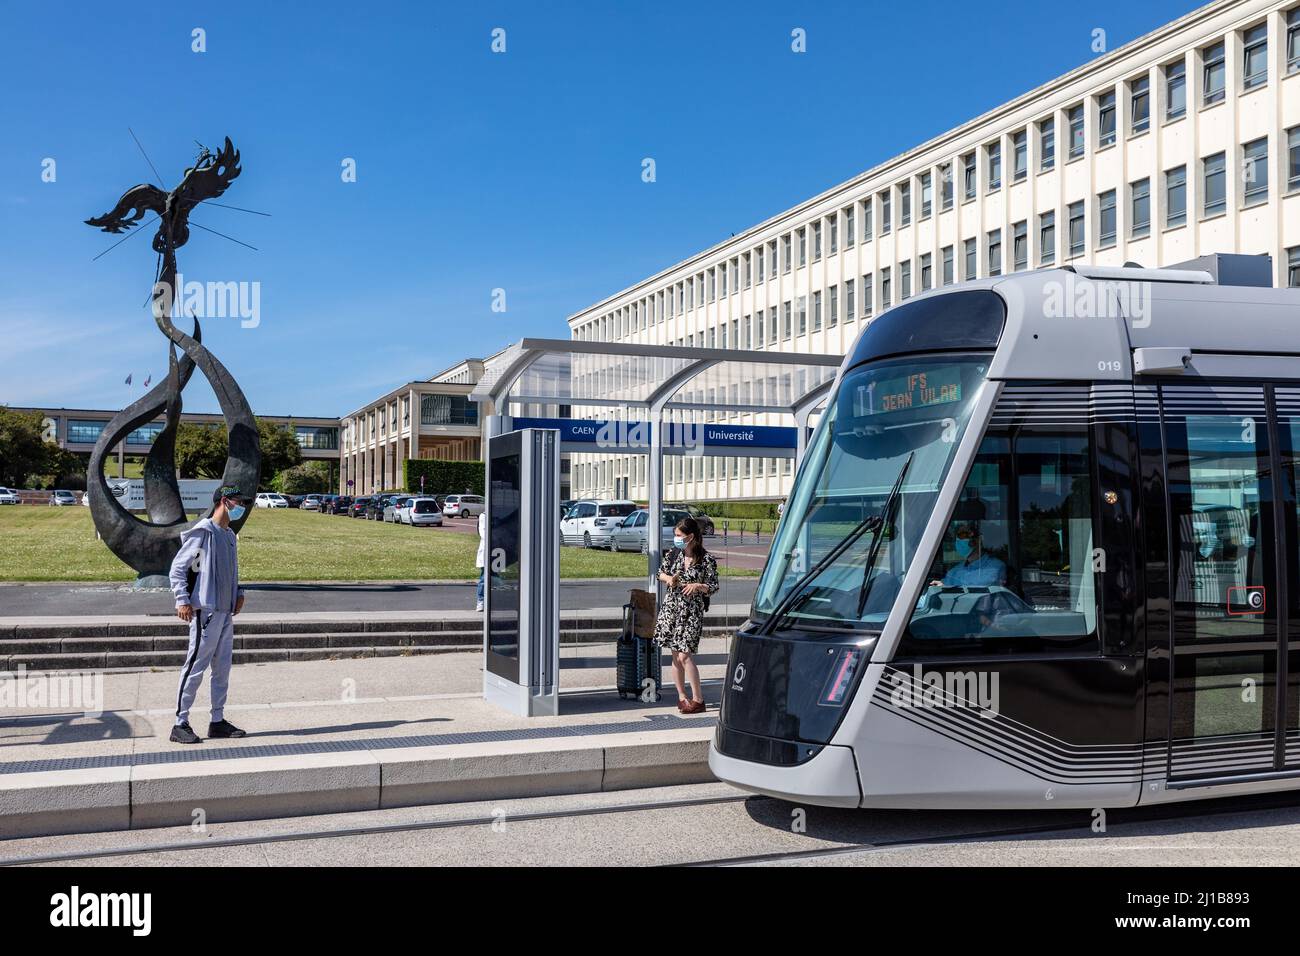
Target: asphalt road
(711,824)
(22,600)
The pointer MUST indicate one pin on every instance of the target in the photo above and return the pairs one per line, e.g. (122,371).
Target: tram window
(1217,498)
(1014,572)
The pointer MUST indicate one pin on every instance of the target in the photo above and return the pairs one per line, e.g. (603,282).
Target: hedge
(443,477)
(738,509)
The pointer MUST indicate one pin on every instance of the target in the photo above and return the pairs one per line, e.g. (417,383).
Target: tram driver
(976,569)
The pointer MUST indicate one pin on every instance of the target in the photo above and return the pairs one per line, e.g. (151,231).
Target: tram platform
(329,736)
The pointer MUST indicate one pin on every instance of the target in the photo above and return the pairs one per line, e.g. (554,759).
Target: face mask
(1208,546)
(679,542)
(964,547)
(237,512)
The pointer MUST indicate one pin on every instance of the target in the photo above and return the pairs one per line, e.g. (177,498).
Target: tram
(1041,551)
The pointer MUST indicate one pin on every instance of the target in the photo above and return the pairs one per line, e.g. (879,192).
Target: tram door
(1226,514)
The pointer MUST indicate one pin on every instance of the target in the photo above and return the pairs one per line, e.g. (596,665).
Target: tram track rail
(1130,815)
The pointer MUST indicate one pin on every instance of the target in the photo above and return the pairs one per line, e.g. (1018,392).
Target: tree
(201,450)
(22,447)
(27,459)
(66,469)
(311,477)
(280,450)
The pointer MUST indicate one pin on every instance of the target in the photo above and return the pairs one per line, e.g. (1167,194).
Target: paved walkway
(100,600)
(328,736)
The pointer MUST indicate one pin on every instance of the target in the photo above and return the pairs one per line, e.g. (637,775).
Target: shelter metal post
(654,478)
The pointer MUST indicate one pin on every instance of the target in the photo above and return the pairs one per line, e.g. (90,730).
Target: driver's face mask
(964,547)
(1209,543)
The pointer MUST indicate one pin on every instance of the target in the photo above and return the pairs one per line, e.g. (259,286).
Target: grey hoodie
(217,587)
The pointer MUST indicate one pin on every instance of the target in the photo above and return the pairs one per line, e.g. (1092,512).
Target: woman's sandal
(694,707)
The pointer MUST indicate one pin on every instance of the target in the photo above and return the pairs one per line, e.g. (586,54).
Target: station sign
(679,437)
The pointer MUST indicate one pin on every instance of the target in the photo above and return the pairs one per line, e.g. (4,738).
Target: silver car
(631,534)
(419,512)
(463,506)
(62,498)
(393,509)
(310,503)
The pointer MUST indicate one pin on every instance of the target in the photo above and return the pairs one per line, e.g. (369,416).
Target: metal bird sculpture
(208,178)
(149,546)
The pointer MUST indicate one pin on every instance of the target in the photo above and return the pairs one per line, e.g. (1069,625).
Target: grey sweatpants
(212,639)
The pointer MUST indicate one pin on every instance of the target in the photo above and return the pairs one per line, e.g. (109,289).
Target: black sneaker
(183,734)
(224,728)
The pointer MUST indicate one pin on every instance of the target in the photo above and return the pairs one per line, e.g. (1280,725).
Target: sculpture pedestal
(152,581)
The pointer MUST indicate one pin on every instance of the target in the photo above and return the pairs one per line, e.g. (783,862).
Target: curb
(258,788)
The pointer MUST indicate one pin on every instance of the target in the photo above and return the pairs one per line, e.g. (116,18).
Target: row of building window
(795,318)
(677,468)
(859,221)
(87,432)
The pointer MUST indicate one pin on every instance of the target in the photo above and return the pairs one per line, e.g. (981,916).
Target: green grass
(59,544)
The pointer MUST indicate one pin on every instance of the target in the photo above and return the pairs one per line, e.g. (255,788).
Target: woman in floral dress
(690,575)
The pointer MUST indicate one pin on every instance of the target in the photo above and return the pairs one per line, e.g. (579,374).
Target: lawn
(59,544)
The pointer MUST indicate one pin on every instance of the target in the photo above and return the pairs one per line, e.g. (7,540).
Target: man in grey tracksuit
(205,582)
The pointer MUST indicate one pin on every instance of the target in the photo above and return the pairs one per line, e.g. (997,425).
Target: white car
(7,497)
(269,499)
(463,506)
(62,498)
(630,535)
(418,512)
(591,522)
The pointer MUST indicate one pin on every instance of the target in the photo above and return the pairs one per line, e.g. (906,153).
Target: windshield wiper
(886,519)
(871,522)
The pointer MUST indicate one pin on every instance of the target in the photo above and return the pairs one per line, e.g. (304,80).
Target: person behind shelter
(976,569)
(479,560)
(205,582)
(690,574)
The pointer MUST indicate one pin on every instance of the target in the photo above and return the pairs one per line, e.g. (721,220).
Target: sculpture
(149,546)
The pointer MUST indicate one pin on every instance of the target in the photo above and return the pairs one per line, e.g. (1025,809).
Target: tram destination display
(918,389)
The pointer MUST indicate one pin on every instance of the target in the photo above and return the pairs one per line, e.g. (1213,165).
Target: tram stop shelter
(617,398)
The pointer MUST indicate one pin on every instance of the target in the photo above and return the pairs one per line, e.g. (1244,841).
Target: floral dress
(681,617)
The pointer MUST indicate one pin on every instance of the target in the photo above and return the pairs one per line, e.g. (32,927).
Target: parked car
(358,507)
(340,505)
(630,535)
(62,498)
(590,522)
(295,501)
(565,505)
(7,497)
(326,503)
(311,503)
(707,527)
(375,507)
(392,508)
(463,506)
(269,499)
(422,511)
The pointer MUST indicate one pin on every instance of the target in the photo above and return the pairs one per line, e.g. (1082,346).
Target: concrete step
(144,660)
(251,642)
(169,627)
(244,781)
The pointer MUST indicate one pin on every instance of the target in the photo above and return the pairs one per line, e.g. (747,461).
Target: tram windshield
(891,423)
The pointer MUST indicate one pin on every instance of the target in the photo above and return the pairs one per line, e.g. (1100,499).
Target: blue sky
(475,170)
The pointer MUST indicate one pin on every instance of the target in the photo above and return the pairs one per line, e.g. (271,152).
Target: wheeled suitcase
(638,662)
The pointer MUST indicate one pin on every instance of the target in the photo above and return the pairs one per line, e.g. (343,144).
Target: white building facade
(1181,143)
